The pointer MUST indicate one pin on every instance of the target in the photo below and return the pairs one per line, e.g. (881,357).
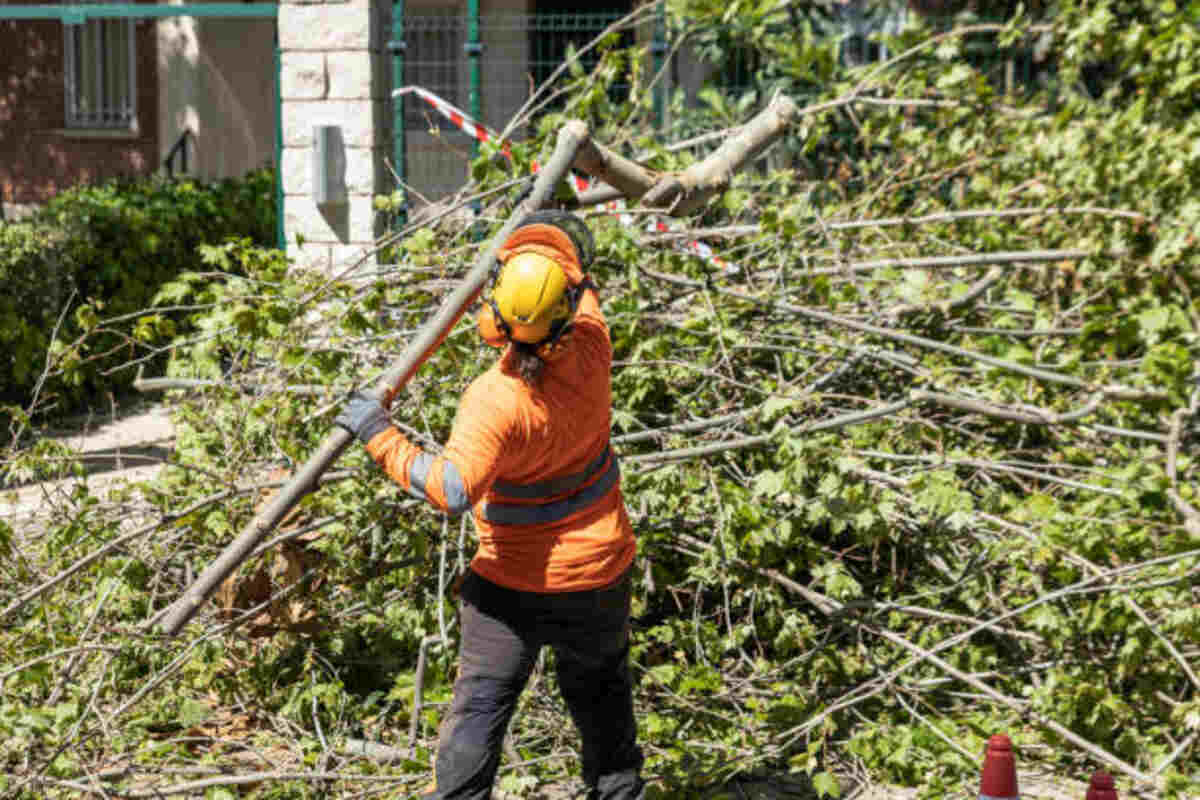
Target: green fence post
(399,154)
(474,49)
(658,47)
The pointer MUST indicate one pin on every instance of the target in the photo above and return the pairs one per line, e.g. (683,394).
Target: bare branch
(973,293)
(124,539)
(691,189)
(953,262)
(1191,517)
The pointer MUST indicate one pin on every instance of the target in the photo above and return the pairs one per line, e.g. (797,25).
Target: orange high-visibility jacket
(534,464)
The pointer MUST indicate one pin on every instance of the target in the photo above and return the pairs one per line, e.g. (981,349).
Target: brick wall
(38,157)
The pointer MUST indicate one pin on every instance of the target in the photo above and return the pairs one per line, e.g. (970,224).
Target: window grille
(100,74)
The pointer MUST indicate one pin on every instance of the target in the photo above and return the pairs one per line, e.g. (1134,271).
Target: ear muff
(561,327)
(491,327)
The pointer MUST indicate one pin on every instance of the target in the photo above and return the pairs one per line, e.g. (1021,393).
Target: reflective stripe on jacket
(553,506)
(535,465)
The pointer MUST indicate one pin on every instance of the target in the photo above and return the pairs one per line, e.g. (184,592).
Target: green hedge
(99,253)
(31,288)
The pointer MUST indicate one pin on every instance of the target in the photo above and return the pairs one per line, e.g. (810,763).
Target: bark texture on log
(695,186)
(623,176)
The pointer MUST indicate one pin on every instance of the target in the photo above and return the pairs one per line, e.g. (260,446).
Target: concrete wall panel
(344,256)
(310,257)
(351,223)
(355,117)
(303,75)
(350,75)
(317,28)
(364,171)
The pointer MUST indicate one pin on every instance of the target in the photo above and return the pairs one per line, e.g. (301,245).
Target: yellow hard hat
(530,296)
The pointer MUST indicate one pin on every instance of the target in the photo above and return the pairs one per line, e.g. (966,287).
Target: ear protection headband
(492,326)
(496,331)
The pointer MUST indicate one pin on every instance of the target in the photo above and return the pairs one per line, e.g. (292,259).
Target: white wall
(217,77)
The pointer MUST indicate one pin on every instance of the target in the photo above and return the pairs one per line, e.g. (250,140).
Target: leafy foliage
(76,277)
(886,507)
(32,287)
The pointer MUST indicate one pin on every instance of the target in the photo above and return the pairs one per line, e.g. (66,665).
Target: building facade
(306,86)
(90,98)
(62,121)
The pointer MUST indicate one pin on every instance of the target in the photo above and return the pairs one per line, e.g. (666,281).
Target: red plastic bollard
(999,779)
(1101,787)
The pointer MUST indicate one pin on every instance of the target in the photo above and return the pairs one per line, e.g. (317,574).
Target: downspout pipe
(280,234)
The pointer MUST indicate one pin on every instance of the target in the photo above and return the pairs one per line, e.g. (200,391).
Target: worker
(529,455)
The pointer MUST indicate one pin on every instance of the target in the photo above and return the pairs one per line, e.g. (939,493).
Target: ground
(132,445)
(127,445)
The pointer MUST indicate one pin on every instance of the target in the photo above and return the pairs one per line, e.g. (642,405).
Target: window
(100,74)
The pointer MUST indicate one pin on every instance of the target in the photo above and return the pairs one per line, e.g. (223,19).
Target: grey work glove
(364,416)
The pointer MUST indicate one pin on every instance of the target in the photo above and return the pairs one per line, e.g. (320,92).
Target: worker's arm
(453,481)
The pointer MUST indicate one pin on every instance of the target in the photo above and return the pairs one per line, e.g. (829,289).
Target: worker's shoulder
(496,388)
(589,309)
(591,336)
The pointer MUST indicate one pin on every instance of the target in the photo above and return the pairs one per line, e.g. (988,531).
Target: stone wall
(333,73)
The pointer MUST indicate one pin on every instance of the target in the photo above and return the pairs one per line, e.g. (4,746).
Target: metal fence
(518,52)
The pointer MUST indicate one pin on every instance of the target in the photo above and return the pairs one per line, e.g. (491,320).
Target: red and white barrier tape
(480,132)
(476,130)
(457,116)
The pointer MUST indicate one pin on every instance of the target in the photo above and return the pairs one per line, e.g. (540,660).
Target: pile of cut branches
(912,464)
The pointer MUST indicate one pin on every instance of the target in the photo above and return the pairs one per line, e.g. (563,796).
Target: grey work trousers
(502,633)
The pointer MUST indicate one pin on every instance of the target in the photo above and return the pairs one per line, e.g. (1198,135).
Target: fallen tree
(911,464)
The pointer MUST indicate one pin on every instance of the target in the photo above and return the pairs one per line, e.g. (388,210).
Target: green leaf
(1185,85)
(663,673)
(66,713)
(769,483)
(1153,321)
(86,317)
(830,484)
(192,712)
(1040,507)
(826,785)
(958,74)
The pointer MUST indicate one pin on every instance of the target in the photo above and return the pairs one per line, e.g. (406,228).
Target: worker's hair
(527,363)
